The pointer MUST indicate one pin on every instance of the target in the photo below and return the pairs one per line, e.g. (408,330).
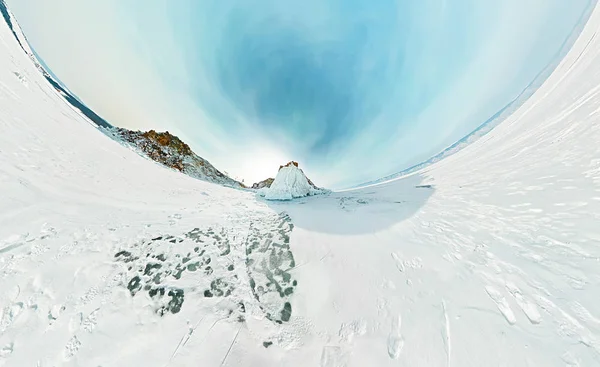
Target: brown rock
(264,183)
(170,151)
(269,181)
(289,164)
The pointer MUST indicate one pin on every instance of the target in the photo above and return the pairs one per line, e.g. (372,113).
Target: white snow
(290,183)
(490,257)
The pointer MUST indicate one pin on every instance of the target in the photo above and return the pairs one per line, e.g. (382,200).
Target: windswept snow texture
(489,257)
(290,183)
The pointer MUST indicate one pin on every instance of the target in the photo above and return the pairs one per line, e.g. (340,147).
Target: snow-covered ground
(490,257)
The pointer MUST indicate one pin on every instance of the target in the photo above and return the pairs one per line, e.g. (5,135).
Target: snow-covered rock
(290,183)
(262,184)
(170,151)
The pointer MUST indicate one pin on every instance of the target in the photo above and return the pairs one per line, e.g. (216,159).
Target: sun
(259,163)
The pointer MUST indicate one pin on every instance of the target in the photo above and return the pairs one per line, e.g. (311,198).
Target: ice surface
(489,257)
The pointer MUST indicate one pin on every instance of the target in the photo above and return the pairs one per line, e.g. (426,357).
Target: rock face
(170,151)
(290,183)
(262,184)
(269,181)
(289,164)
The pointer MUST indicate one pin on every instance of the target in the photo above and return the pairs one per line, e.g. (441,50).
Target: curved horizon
(121,248)
(354,93)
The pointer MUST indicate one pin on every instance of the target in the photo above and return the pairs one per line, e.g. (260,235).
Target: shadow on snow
(360,211)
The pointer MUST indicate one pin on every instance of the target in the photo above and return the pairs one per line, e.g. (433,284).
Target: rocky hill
(269,181)
(170,151)
(290,183)
(262,184)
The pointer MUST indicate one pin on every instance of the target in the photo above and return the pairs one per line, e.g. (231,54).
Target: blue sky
(352,89)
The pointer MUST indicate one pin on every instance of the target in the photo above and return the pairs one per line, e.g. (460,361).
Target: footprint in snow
(10,314)
(90,322)
(349,330)
(7,350)
(332,357)
(529,309)
(72,348)
(55,312)
(399,262)
(395,342)
(75,322)
(174,218)
(502,304)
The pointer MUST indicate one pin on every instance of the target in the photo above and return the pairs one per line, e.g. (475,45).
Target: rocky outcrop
(290,183)
(289,164)
(294,163)
(269,181)
(262,184)
(170,151)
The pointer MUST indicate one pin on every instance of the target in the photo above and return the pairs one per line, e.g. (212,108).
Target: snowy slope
(489,257)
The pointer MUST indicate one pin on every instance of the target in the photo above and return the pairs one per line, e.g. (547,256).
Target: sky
(352,89)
